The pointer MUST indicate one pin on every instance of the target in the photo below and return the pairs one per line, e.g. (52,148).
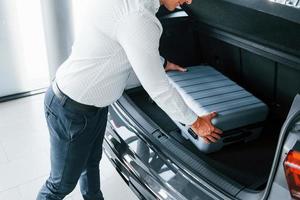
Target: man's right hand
(205,129)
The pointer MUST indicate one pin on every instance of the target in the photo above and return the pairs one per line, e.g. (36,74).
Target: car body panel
(142,165)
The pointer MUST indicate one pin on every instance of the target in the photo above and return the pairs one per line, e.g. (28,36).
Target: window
(23,60)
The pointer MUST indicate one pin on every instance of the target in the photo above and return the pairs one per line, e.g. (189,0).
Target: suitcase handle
(193,134)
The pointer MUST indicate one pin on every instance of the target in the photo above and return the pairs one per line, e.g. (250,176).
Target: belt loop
(63,101)
(64,98)
(52,96)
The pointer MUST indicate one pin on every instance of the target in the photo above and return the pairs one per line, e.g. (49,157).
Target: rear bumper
(119,156)
(150,174)
(141,180)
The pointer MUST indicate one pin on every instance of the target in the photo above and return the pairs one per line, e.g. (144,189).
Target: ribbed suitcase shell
(206,90)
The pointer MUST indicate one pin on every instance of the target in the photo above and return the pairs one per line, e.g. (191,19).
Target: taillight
(292,172)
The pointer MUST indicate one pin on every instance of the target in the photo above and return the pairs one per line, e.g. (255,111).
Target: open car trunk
(259,61)
(248,163)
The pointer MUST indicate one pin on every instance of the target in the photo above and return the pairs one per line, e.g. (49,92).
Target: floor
(24,154)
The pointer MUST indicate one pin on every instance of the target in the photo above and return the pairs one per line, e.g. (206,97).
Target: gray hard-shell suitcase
(205,90)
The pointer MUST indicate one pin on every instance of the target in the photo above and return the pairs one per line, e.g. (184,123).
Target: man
(118,36)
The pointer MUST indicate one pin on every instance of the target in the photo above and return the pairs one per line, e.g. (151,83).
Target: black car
(254,43)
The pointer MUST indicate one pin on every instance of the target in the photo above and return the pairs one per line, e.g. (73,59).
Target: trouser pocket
(77,123)
(64,124)
(55,125)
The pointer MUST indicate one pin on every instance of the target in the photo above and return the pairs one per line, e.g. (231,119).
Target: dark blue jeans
(76,138)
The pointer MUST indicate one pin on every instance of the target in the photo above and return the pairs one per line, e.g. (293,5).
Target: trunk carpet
(247,163)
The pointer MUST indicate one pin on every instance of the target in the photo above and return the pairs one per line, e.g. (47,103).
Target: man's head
(172,4)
